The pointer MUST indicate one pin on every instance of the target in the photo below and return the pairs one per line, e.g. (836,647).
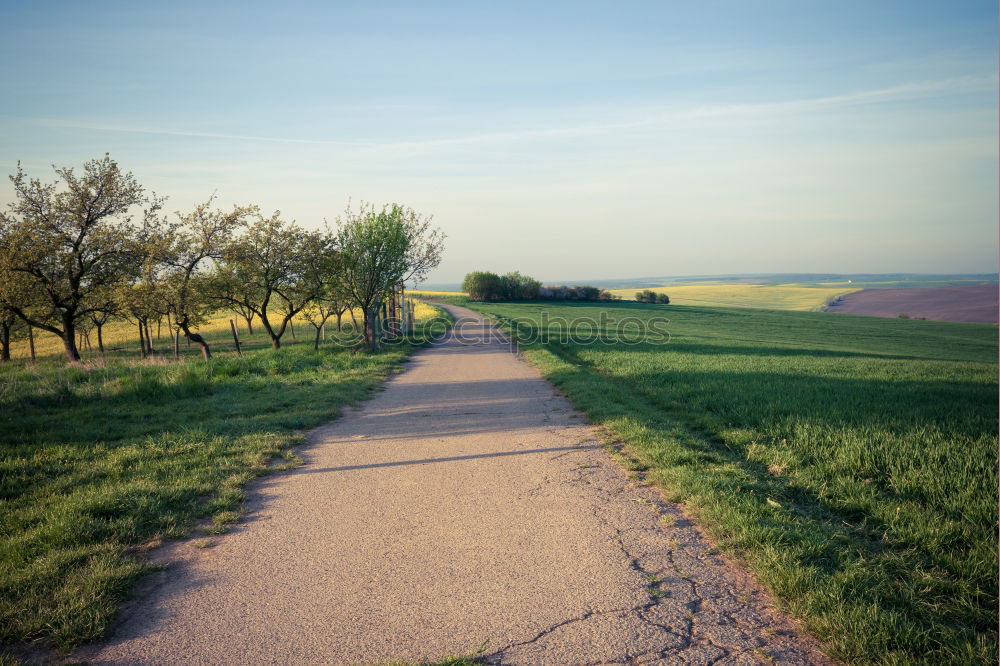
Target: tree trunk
(149,338)
(339,316)
(249,325)
(177,343)
(275,340)
(319,330)
(391,317)
(100,337)
(69,339)
(142,342)
(31,341)
(371,327)
(291,325)
(206,353)
(4,341)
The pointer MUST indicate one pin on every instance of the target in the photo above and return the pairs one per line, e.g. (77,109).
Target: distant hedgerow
(486,286)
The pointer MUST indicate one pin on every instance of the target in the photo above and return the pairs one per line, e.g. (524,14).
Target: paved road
(466,504)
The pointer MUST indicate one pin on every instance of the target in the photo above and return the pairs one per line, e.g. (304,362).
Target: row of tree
(486,286)
(95,246)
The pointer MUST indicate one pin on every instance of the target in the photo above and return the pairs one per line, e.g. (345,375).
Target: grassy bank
(102,458)
(850,461)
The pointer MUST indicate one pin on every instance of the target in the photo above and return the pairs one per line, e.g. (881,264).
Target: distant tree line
(93,247)
(486,286)
(650,296)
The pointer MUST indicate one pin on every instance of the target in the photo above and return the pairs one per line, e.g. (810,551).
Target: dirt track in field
(467,504)
(967,303)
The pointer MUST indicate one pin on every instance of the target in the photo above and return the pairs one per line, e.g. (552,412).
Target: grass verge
(99,460)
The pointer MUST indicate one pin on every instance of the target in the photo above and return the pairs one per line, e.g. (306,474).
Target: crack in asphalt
(700,633)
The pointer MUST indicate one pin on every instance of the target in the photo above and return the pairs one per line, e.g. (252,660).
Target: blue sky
(569,141)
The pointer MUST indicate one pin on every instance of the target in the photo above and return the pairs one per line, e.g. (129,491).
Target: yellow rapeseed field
(125,335)
(774,297)
(419,293)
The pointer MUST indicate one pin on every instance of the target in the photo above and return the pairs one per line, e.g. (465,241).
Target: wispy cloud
(71,124)
(783,108)
(910,91)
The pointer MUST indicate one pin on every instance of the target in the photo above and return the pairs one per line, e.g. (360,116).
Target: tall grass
(99,459)
(850,461)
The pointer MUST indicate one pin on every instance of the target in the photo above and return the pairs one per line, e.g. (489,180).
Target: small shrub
(517,287)
(483,286)
(650,296)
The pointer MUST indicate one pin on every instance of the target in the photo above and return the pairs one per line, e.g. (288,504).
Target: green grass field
(851,462)
(101,459)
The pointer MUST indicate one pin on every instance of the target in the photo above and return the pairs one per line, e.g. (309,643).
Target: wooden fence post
(236,338)
(390,319)
(31,341)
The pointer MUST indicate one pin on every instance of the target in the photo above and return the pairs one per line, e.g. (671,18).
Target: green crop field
(103,458)
(851,462)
